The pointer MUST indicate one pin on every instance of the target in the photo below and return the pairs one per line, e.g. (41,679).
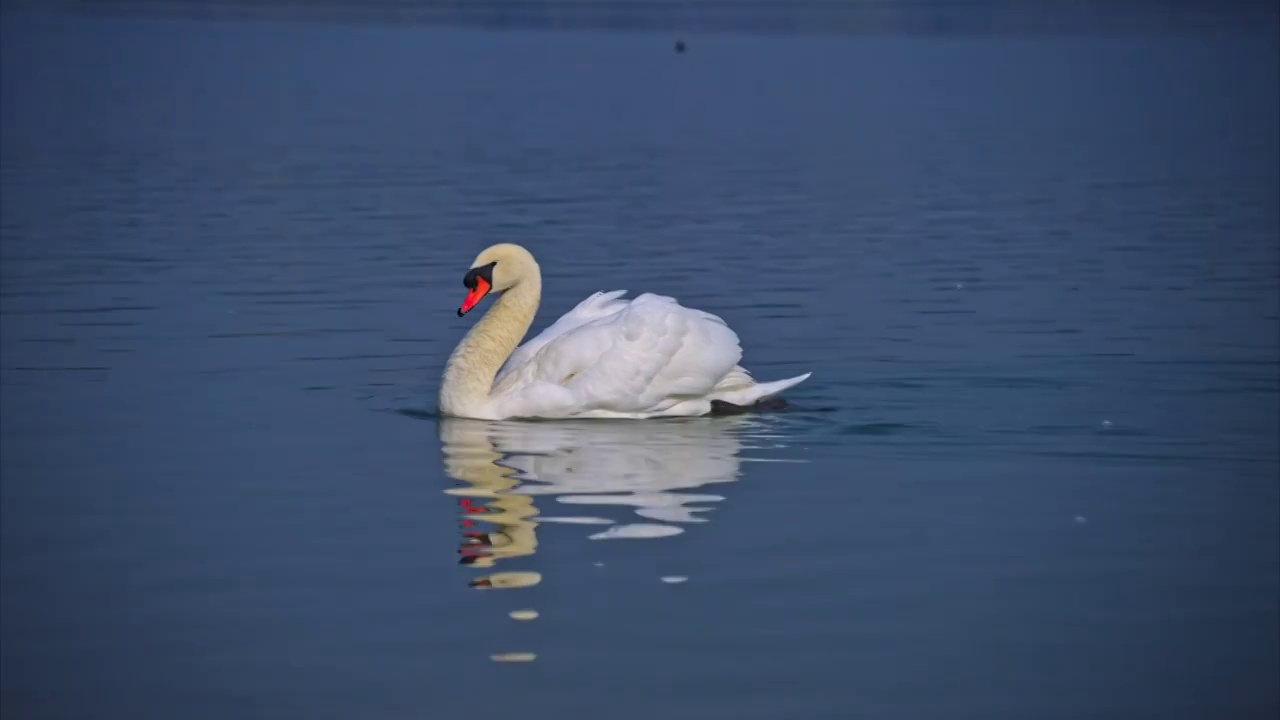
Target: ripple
(87,368)
(361,356)
(636,531)
(514,657)
(81,310)
(880,428)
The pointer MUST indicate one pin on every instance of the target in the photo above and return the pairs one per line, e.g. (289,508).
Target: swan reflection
(643,479)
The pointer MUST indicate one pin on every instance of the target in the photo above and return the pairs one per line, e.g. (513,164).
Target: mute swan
(606,358)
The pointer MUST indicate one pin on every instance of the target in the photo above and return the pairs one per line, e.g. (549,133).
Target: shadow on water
(618,479)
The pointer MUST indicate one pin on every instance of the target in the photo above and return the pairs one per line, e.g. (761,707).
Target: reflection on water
(649,468)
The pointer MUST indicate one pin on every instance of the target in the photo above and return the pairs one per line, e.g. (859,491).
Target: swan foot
(720,407)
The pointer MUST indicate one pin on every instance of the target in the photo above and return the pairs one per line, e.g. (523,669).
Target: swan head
(496,269)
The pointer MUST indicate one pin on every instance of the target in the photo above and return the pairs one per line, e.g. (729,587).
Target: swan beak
(473,296)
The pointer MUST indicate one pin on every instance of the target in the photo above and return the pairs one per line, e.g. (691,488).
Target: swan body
(607,358)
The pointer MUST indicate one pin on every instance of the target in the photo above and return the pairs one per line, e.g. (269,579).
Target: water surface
(1034,274)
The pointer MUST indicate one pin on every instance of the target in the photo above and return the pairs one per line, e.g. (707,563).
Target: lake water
(1034,474)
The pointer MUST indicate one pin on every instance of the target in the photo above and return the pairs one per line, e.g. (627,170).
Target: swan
(606,358)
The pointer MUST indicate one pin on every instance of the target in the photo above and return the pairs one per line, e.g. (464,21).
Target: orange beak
(473,296)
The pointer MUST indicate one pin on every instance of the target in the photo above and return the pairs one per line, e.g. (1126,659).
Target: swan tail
(736,379)
(753,392)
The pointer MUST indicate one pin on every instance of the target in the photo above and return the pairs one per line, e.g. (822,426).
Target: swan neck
(469,375)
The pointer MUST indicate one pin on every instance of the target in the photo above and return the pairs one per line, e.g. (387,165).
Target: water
(1034,274)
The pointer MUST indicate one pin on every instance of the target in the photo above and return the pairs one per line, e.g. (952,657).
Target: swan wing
(642,359)
(599,305)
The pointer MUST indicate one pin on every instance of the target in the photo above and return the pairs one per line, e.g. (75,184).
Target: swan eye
(484,272)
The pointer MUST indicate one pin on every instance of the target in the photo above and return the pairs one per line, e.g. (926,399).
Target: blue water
(1035,274)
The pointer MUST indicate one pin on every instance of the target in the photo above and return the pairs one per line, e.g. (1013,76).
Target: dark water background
(1033,267)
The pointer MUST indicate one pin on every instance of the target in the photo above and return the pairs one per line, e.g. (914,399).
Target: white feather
(609,357)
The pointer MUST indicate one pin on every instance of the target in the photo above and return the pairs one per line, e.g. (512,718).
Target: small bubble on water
(1106,423)
(1081,520)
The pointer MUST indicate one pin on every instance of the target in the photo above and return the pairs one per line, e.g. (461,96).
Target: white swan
(606,358)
